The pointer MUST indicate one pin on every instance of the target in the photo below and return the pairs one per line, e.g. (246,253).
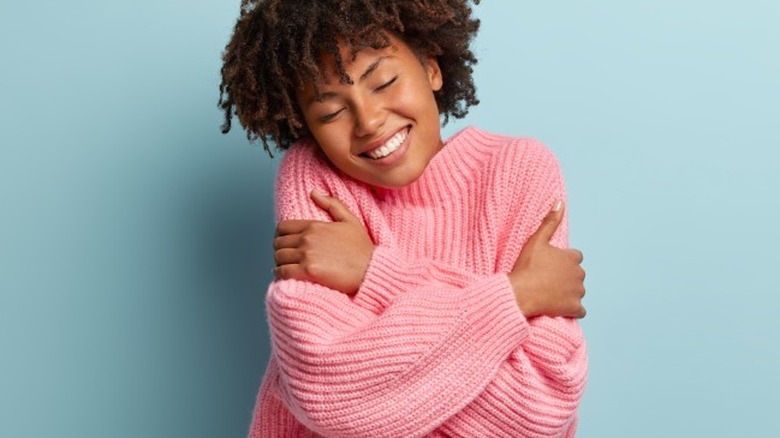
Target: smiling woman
(393,313)
(136,240)
(261,90)
(383,128)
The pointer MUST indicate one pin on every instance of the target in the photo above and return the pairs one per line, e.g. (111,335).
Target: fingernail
(318,192)
(557,206)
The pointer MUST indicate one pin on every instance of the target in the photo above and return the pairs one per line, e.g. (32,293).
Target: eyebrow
(371,68)
(330,95)
(322,97)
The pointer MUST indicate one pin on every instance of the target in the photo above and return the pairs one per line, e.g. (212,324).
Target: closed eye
(328,117)
(385,85)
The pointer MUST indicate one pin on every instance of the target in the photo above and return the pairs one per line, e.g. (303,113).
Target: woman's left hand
(334,254)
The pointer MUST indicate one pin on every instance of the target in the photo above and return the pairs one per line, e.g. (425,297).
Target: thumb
(337,210)
(550,223)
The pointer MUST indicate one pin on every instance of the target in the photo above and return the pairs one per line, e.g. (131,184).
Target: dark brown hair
(276,45)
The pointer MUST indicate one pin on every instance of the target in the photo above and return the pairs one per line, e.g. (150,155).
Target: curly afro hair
(276,45)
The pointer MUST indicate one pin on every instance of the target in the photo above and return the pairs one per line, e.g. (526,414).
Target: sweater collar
(448,174)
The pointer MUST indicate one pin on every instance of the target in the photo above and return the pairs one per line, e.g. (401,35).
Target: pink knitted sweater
(433,343)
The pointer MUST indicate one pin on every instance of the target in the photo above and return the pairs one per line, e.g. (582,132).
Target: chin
(401,181)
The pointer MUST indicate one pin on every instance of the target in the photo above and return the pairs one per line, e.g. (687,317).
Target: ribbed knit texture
(433,344)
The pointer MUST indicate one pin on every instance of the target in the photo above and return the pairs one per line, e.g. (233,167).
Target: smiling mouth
(389,147)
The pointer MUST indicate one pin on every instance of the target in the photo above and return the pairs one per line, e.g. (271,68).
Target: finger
(337,210)
(292,226)
(550,223)
(287,272)
(287,256)
(581,274)
(287,241)
(577,255)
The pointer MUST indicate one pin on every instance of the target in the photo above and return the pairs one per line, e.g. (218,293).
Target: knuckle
(310,269)
(307,239)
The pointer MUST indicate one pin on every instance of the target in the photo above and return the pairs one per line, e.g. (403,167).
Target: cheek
(332,133)
(414,100)
(334,142)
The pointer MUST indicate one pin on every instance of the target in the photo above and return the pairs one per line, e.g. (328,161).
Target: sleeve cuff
(387,276)
(390,274)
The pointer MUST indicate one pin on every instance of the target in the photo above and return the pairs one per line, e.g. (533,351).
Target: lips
(388,147)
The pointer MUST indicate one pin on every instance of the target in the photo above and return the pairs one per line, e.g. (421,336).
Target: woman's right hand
(548,280)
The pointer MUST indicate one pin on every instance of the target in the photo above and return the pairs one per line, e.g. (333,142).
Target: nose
(369,117)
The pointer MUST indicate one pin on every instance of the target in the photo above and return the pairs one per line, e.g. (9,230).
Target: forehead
(354,65)
(353,61)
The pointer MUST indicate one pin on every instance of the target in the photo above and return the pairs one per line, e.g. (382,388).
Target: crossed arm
(423,346)
(546,280)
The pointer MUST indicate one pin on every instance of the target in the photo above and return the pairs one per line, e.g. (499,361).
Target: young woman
(423,286)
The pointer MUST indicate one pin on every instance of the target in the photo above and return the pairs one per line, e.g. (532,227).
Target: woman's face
(384,128)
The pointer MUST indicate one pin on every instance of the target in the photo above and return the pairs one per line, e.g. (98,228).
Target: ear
(434,73)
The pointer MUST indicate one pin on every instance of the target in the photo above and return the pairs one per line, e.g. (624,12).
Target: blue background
(135,239)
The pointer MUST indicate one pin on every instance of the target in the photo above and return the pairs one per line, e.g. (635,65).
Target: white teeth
(389,147)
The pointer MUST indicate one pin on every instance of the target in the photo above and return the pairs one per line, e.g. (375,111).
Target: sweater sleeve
(537,391)
(347,370)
